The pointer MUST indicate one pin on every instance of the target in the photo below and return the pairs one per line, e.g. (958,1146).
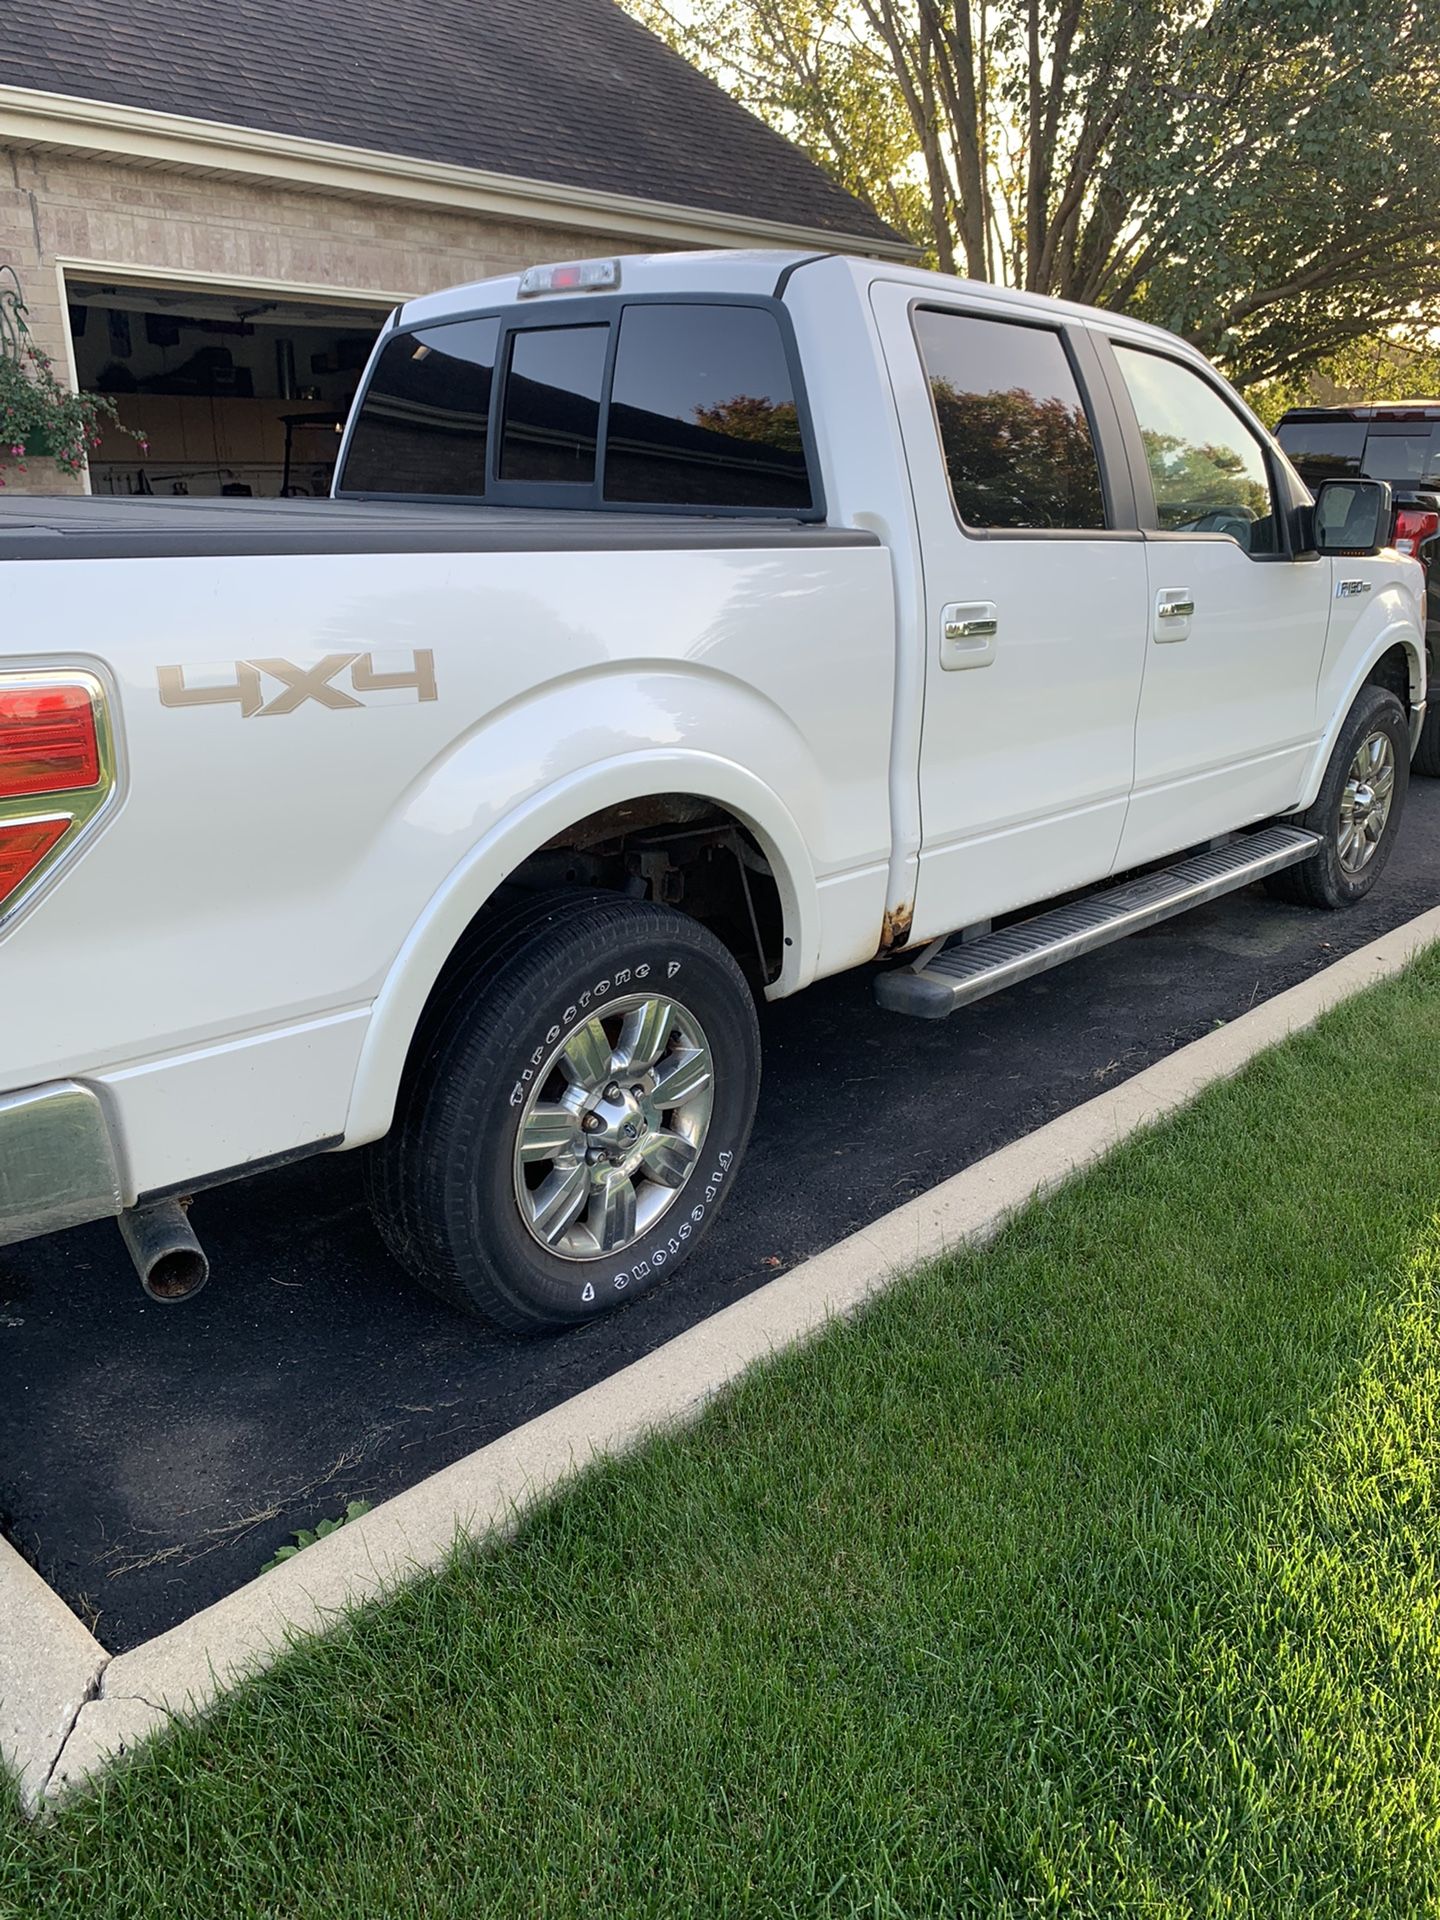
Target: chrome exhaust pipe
(169,1259)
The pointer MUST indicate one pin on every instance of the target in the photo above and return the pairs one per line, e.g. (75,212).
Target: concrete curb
(183,1671)
(51,1665)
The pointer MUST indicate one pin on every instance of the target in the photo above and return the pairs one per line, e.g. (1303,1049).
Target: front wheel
(570,1128)
(1357,810)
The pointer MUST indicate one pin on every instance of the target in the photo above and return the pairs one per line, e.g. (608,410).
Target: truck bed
(77,527)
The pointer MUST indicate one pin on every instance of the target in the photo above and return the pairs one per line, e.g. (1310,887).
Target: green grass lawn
(1094,1574)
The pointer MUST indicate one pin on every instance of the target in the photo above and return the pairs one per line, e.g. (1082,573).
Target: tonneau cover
(101,528)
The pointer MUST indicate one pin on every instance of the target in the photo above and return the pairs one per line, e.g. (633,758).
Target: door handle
(967,634)
(1173,608)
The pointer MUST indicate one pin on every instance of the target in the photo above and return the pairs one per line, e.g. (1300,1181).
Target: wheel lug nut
(638,1092)
(612,1092)
(592,1123)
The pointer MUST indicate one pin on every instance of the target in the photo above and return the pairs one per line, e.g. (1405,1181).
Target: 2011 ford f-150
(682,629)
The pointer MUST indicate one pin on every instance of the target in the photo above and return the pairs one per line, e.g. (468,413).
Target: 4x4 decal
(298,684)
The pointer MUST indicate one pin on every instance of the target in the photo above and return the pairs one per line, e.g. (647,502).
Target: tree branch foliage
(1260,175)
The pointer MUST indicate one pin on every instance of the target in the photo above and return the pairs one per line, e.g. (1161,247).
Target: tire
(1427,748)
(1378,727)
(566,1025)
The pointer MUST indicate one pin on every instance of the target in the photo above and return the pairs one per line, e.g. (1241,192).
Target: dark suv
(1398,441)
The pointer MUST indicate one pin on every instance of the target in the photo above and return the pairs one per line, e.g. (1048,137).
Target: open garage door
(237,394)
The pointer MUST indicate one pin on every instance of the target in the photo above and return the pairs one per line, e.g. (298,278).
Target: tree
(1401,364)
(1261,175)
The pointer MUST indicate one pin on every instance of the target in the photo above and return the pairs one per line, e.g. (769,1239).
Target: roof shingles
(570,91)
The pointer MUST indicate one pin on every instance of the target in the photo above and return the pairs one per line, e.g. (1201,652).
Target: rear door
(1034,597)
(1236,624)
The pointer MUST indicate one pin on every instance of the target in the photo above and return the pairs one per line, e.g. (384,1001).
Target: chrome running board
(962,972)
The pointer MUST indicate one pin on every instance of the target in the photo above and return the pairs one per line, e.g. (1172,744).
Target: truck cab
(683,629)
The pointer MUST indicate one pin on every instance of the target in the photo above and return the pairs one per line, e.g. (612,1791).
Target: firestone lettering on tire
(600,991)
(652,1262)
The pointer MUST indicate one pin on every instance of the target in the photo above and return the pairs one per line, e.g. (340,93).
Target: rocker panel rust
(895,927)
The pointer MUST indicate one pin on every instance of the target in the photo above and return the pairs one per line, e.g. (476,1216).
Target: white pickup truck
(682,629)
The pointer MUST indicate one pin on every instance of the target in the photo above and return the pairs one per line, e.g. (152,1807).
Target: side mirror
(1353,516)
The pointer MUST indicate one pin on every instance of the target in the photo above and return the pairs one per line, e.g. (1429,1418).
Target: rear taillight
(57,772)
(1414,528)
(24,846)
(49,742)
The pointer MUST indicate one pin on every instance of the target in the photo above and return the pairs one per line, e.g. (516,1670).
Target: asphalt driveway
(152,1458)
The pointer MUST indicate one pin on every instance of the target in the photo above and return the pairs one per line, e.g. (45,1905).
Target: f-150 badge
(298,684)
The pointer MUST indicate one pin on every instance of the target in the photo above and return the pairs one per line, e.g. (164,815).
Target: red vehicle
(1398,441)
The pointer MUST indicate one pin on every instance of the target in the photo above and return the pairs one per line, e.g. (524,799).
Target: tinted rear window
(423,424)
(1014,430)
(1344,449)
(1324,449)
(1402,456)
(552,404)
(703,411)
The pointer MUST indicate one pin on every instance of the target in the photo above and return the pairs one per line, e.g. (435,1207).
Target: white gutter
(30,118)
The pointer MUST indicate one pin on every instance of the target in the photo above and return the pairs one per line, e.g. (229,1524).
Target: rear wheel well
(677,849)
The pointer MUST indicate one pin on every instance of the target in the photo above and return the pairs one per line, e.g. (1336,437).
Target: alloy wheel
(613,1128)
(1366,800)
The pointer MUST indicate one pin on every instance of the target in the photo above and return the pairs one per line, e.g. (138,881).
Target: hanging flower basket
(40,419)
(37,446)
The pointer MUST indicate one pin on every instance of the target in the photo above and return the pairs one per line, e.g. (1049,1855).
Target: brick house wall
(57,207)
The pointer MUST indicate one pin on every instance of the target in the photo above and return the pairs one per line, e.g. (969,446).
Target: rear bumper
(57,1162)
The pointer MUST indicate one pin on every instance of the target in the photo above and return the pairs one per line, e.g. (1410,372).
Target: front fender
(1391,622)
(545,813)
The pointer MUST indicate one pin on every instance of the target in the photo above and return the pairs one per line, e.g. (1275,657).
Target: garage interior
(237,395)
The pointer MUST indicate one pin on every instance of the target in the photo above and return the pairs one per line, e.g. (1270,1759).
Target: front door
(1227,722)
(1034,608)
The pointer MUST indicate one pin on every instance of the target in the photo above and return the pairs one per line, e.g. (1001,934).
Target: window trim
(582,496)
(1283,500)
(1116,488)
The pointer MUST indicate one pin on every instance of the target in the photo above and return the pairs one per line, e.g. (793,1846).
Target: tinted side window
(552,404)
(1014,431)
(1402,456)
(702,412)
(1324,449)
(1207,468)
(423,421)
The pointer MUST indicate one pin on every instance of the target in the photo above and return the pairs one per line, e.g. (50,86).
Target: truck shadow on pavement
(152,1458)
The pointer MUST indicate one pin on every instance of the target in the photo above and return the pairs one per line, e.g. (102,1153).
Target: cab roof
(758,271)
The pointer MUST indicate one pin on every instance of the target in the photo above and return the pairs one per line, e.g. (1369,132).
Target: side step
(962,973)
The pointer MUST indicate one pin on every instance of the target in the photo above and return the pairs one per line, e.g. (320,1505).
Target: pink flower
(18,451)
